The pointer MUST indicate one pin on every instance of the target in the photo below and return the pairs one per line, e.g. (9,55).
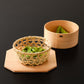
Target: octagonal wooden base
(12,63)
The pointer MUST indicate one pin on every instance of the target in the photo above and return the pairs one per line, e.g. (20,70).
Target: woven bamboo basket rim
(62,33)
(26,53)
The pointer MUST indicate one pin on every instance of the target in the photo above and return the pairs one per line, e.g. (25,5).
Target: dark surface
(20,18)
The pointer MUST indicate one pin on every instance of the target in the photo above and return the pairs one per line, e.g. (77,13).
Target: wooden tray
(13,64)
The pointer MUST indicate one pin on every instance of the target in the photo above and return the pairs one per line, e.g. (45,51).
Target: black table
(20,18)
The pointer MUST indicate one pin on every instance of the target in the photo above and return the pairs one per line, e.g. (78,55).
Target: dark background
(20,18)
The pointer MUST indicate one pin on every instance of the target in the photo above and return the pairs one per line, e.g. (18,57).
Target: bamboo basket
(59,40)
(31,58)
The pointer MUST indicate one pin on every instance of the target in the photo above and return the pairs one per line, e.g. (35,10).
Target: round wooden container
(59,40)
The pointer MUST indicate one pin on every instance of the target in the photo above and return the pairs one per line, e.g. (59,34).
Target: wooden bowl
(60,40)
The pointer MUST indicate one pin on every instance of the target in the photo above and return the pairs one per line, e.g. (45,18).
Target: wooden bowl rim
(62,33)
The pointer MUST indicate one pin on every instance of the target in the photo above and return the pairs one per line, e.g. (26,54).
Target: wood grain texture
(59,40)
(13,64)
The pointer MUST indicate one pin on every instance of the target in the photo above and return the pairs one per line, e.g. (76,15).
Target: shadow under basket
(61,40)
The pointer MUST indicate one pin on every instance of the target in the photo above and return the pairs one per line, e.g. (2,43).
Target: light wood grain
(13,64)
(67,40)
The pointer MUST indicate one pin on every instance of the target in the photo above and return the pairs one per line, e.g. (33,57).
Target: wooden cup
(60,40)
